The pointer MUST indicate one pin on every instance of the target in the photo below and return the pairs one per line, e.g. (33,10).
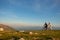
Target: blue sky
(30,12)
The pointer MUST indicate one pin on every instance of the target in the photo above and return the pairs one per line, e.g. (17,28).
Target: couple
(47,26)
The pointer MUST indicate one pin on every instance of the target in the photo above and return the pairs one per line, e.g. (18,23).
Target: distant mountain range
(11,28)
(6,27)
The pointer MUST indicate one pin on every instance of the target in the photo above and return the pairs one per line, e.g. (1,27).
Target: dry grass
(41,35)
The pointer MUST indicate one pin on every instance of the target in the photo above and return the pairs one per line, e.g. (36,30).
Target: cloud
(51,4)
(55,3)
(39,5)
(22,24)
(13,2)
(8,17)
(35,5)
(8,14)
(17,2)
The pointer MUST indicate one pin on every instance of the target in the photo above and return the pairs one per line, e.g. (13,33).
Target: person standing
(45,26)
(49,26)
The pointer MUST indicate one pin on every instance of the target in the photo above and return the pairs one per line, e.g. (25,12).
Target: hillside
(6,28)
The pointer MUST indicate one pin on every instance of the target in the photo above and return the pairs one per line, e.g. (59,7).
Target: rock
(21,39)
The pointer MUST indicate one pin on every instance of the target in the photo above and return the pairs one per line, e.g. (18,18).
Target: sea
(33,28)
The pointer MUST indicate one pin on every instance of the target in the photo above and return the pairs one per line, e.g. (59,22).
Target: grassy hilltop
(36,35)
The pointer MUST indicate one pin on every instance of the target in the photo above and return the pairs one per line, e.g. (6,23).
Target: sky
(30,12)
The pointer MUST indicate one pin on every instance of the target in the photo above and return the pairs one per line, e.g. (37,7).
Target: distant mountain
(6,28)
